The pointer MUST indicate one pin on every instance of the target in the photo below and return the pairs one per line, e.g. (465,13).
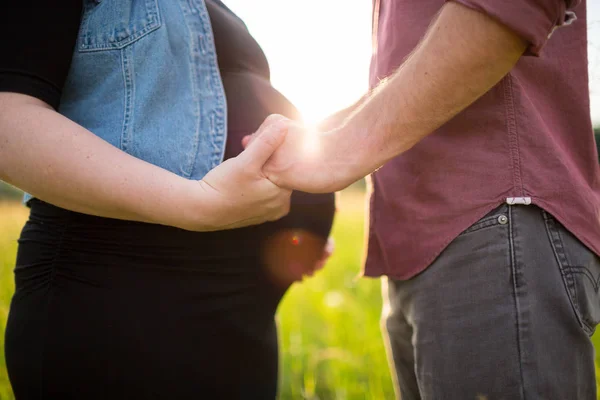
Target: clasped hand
(244,195)
(239,193)
(308,160)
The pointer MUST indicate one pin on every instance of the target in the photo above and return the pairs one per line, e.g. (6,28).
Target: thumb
(265,143)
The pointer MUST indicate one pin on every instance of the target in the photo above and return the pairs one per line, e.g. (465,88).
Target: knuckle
(270,140)
(274,118)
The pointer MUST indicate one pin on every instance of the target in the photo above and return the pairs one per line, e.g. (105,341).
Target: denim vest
(144,77)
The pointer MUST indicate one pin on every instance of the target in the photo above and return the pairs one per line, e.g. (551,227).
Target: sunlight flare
(311,146)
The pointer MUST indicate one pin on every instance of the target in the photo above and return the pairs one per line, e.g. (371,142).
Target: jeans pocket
(498,216)
(580,270)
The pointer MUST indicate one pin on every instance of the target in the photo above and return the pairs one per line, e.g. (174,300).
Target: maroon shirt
(529,138)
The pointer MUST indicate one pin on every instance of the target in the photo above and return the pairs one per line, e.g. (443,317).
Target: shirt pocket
(114,24)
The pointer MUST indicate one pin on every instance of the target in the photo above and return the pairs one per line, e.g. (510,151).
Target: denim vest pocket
(107,25)
(580,270)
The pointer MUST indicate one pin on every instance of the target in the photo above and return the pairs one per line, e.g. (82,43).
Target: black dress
(111,309)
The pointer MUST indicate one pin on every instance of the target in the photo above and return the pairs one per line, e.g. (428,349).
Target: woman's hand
(64,164)
(237,193)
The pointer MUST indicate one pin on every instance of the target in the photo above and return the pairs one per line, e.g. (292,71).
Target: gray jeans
(505,312)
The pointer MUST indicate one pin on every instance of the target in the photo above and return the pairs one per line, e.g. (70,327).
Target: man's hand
(309,160)
(237,193)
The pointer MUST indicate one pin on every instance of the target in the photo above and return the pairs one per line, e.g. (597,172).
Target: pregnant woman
(130,281)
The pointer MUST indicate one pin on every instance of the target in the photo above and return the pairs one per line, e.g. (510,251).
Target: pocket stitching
(482,224)
(85,42)
(568,280)
(580,269)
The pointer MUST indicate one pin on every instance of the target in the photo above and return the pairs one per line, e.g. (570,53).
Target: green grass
(330,331)
(12,218)
(331,344)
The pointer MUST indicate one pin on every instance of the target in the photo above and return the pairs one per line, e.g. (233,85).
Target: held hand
(309,160)
(238,193)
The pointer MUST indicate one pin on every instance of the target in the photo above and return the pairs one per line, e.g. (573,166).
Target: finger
(246,140)
(327,252)
(268,122)
(329,247)
(265,144)
(271,119)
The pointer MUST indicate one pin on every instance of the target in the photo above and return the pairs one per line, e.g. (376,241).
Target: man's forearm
(462,56)
(338,118)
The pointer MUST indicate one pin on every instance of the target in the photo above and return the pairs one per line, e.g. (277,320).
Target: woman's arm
(58,161)
(62,163)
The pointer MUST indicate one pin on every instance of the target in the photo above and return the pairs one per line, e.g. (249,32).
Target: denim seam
(388,289)
(513,262)
(129,86)
(580,269)
(195,52)
(218,117)
(565,270)
(50,292)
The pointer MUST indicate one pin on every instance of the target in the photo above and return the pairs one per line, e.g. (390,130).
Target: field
(329,325)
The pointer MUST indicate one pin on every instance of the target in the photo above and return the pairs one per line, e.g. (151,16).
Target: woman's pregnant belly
(250,99)
(297,240)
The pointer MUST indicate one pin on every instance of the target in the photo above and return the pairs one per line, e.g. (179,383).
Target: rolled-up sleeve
(533,20)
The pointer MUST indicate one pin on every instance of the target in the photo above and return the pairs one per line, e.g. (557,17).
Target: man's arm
(464,54)
(339,117)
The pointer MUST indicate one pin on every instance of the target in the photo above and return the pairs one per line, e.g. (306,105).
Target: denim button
(503,220)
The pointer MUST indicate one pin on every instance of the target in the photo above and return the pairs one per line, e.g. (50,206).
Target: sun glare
(312,144)
(318,50)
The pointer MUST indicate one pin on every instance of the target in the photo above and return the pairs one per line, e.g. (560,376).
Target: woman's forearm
(62,163)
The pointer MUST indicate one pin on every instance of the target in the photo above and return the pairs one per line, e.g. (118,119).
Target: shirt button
(503,220)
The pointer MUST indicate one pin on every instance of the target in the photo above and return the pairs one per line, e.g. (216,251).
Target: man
(485,211)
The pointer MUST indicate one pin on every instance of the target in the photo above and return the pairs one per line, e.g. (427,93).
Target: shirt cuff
(533,20)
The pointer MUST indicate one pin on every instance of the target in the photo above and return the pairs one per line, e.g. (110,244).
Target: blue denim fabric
(144,78)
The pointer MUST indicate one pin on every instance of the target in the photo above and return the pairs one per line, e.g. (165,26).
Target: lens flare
(296,240)
(312,142)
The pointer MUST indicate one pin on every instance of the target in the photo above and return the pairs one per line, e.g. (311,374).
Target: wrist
(204,210)
(190,206)
(355,154)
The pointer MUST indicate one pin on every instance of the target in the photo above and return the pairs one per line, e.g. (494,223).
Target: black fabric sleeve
(37,39)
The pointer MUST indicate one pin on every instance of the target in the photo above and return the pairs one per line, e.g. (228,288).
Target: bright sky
(319,50)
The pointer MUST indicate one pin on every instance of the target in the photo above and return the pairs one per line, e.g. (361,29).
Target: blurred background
(319,52)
